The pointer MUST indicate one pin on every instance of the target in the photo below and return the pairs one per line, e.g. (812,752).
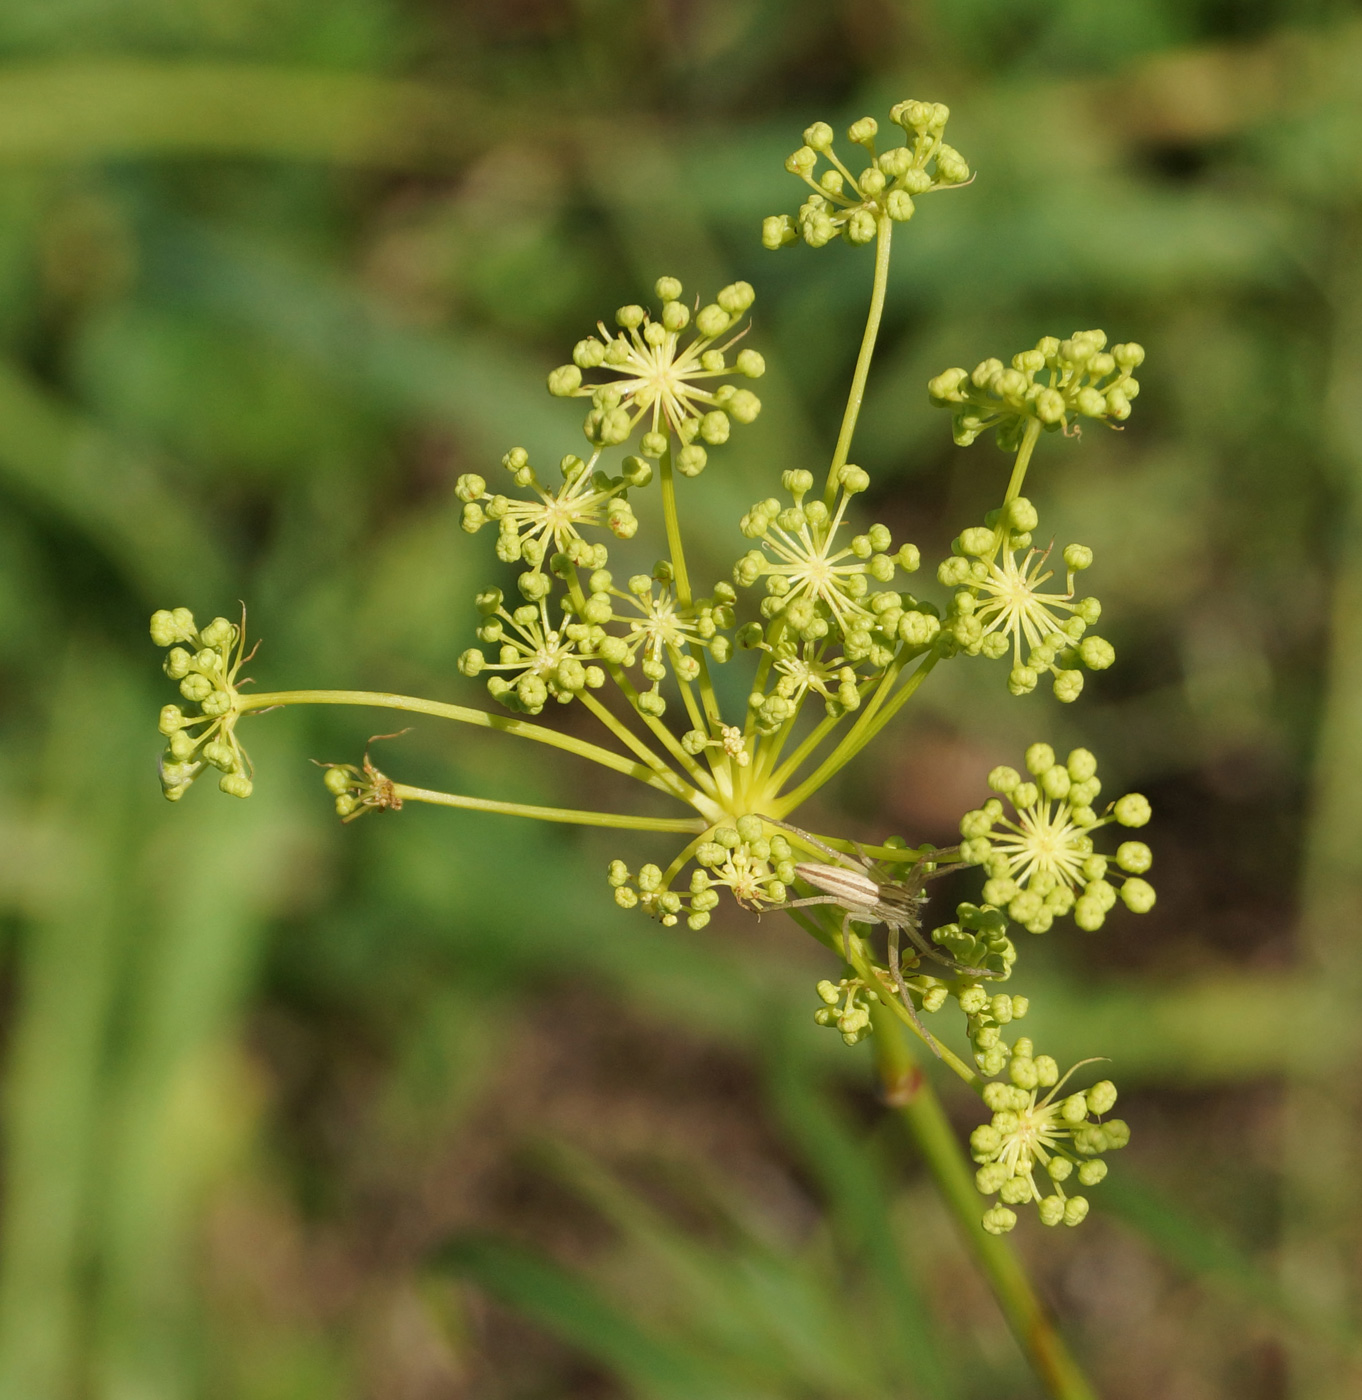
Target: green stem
(267,700)
(908,1092)
(547,814)
(669,740)
(884,234)
(682,575)
(673,523)
(860,734)
(1023,460)
(632,741)
(811,741)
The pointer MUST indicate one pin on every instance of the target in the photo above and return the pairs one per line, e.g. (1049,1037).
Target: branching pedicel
(837,631)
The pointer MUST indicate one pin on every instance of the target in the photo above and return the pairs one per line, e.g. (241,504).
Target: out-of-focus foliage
(272,273)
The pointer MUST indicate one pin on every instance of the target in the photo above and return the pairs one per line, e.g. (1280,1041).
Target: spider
(851,885)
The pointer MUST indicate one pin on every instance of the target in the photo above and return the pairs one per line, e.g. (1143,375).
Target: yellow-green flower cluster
(846,1008)
(1041,862)
(755,868)
(1064,1137)
(206,663)
(986,1013)
(854,204)
(532,529)
(656,379)
(819,597)
(1000,605)
(1078,378)
(658,630)
(358,790)
(535,660)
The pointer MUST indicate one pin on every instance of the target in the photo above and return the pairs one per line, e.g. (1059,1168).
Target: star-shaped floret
(1064,1136)
(555,517)
(1003,606)
(1042,864)
(656,379)
(817,582)
(536,659)
(659,630)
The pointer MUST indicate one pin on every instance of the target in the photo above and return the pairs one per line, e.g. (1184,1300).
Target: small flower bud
(565,381)
(1133,810)
(1138,895)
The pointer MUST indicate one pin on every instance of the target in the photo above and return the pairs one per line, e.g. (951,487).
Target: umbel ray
(852,886)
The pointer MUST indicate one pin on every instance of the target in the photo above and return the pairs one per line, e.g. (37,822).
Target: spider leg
(840,857)
(896,972)
(923,946)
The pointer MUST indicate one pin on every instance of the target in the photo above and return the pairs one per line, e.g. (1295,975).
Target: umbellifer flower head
(658,375)
(207,664)
(1041,862)
(1079,378)
(1064,1137)
(1001,605)
(854,204)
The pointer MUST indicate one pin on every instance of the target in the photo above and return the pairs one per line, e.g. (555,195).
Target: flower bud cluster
(999,607)
(855,205)
(755,868)
(850,1018)
(206,664)
(1079,378)
(531,530)
(653,376)
(535,659)
(358,790)
(658,630)
(819,592)
(986,1013)
(1063,1136)
(978,938)
(1041,863)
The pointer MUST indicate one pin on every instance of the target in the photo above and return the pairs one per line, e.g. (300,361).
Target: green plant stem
(907,1091)
(883,237)
(631,741)
(669,740)
(1023,460)
(677,554)
(672,519)
(860,734)
(547,814)
(412,704)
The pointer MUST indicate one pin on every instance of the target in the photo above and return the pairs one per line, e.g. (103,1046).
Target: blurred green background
(408,1109)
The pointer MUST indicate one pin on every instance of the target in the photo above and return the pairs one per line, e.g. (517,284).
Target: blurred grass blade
(578,1315)
(100,486)
(180,1100)
(1216,1261)
(68,975)
(845,1168)
(95,110)
(771,1313)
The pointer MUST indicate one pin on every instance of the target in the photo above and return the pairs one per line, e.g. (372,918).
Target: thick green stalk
(907,1091)
(547,814)
(268,700)
(884,235)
